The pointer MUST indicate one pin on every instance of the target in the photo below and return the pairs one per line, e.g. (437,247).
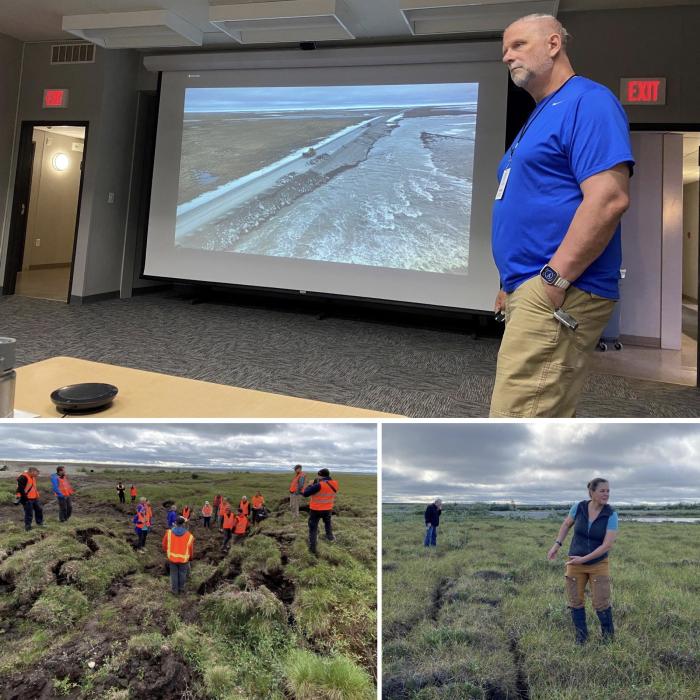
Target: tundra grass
(484,615)
(94,619)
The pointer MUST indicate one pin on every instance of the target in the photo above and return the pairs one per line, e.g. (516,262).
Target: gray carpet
(417,372)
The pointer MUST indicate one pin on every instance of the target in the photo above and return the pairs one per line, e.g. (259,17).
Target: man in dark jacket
(432,521)
(28,496)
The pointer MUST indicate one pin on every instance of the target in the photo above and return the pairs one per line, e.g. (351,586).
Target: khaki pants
(597,576)
(294,500)
(542,364)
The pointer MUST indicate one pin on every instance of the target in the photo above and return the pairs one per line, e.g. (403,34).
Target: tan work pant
(541,363)
(294,500)
(597,576)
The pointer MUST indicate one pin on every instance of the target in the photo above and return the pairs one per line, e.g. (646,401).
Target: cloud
(542,462)
(271,446)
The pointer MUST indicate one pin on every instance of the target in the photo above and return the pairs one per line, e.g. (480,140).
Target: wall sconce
(60,162)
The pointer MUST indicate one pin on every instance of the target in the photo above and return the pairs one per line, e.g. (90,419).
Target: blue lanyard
(534,115)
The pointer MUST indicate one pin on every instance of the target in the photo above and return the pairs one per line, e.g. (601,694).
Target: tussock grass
(310,677)
(150,643)
(59,607)
(220,682)
(231,610)
(260,554)
(25,651)
(14,537)
(485,615)
(31,569)
(114,559)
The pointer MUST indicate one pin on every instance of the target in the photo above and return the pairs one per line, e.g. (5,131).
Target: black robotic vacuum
(84,398)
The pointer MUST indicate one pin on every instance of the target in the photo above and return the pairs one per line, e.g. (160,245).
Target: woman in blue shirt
(595,531)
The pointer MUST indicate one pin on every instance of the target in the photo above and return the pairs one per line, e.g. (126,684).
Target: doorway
(46,208)
(659,296)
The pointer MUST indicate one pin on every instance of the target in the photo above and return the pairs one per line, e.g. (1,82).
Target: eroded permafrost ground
(83,616)
(484,615)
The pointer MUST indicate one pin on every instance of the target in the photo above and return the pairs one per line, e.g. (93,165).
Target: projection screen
(370,181)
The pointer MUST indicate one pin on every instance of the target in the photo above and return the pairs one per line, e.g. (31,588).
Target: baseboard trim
(93,298)
(641,340)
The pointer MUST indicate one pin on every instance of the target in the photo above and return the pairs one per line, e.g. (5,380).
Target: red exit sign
(643,91)
(55,98)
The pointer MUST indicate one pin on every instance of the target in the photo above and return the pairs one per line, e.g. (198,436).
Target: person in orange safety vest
(240,527)
(223,505)
(229,522)
(296,490)
(133,493)
(186,512)
(178,545)
(207,510)
(258,506)
(142,523)
(244,505)
(28,495)
(322,499)
(63,491)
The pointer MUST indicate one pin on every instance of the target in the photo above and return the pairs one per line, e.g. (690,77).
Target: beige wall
(691,214)
(53,202)
(103,94)
(10,61)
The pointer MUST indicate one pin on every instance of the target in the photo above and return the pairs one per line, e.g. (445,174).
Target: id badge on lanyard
(503,183)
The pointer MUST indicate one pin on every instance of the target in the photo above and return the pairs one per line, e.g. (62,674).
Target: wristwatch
(551,276)
(558,542)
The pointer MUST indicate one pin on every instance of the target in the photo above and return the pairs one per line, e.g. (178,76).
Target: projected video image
(376,175)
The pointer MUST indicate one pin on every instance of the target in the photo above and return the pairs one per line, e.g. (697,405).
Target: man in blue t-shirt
(563,187)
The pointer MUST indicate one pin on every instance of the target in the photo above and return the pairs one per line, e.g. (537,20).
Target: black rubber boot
(606,624)
(578,615)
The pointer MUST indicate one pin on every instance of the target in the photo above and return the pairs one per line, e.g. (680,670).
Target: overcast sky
(268,446)
(540,463)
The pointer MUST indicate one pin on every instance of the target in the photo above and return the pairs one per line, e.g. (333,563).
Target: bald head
(545,25)
(534,49)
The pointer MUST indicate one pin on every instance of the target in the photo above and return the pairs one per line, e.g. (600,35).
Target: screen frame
(358,65)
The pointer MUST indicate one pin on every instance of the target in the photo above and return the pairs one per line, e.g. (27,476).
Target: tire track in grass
(439,597)
(522,687)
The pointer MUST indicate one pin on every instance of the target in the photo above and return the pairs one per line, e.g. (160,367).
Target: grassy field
(231,146)
(82,616)
(484,615)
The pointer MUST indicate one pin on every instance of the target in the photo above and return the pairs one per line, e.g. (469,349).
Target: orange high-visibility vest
(325,498)
(132,491)
(229,519)
(206,511)
(179,548)
(30,490)
(149,513)
(64,486)
(143,519)
(244,506)
(186,512)
(241,525)
(294,487)
(258,502)
(222,508)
